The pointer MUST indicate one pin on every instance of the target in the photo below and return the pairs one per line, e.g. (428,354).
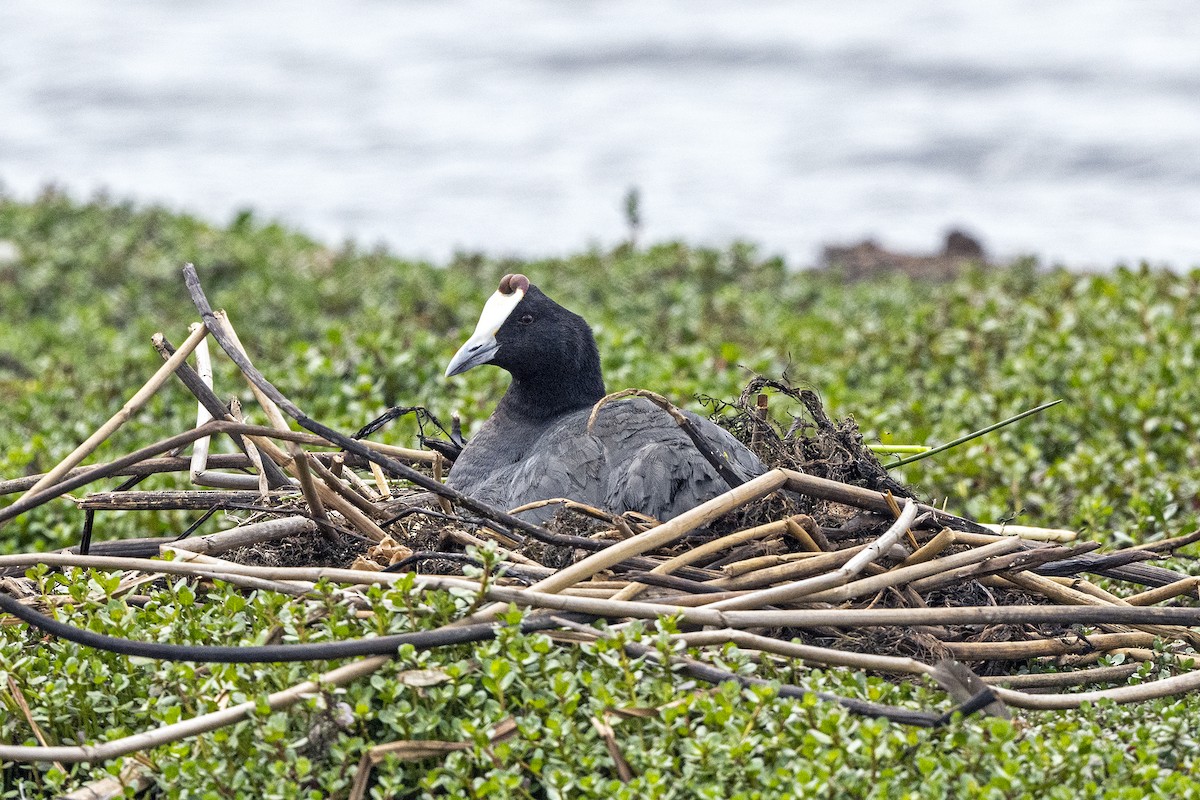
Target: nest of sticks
(825,560)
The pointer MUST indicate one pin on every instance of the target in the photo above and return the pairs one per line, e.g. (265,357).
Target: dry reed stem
(1023,559)
(135,775)
(1139,693)
(1053,590)
(660,401)
(624,772)
(703,551)
(446,506)
(131,407)
(580,591)
(341,486)
(868,499)
(353,478)
(345,576)
(150,466)
(285,459)
(91,753)
(734,569)
(1182,660)
(402,453)
(182,499)
(1174,543)
(199,473)
(1087,587)
(1076,677)
(274,415)
(361,522)
(381,481)
(942,540)
(414,750)
(978,539)
(789,570)
(315,506)
(1171,590)
(293,588)
(1033,534)
(903,575)
(802,534)
(793,591)
(572,505)
(14,689)
(204,370)
(888,665)
(1069,596)
(694,600)
(1038,648)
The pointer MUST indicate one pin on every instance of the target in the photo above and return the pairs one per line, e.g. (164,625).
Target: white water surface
(1070,130)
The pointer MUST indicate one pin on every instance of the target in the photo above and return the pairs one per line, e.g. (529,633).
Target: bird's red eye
(526,319)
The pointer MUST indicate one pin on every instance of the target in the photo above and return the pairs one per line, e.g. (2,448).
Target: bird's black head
(549,351)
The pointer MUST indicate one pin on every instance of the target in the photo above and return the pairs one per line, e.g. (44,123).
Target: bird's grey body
(636,459)
(536,445)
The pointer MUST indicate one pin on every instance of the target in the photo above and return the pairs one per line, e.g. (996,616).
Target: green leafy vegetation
(346,332)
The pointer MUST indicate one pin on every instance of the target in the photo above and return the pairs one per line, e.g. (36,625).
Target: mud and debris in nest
(299,550)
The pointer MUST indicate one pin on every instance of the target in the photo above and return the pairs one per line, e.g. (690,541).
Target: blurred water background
(1070,130)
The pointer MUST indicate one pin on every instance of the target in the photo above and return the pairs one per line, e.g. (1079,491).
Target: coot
(536,445)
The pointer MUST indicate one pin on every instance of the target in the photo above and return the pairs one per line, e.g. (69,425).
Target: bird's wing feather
(636,459)
(652,466)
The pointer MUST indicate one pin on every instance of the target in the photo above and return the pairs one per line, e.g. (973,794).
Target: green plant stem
(970,436)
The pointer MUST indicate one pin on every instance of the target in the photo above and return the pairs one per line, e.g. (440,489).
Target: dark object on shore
(537,444)
(867,259)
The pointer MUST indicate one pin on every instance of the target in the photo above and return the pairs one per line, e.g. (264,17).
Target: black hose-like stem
(257,654)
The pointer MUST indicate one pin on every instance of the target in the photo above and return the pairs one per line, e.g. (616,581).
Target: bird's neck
(543,396)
